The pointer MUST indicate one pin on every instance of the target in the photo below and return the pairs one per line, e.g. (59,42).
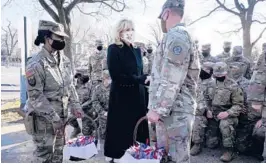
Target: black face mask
(205,54)
(149,51)
(99,48)
(227,50)
(58,45)
(221,79)
(204,75)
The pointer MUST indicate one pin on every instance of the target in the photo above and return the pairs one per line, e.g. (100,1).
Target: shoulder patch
(29,72)
(177,50)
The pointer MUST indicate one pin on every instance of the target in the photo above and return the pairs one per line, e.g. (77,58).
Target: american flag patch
(29,72)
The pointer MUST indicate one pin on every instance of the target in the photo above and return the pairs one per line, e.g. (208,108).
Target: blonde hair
(122,25)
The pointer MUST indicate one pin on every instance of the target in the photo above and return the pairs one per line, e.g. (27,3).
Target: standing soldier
(227,102)
(206,54)
(175,74)
(257,93)
(51,93)
(238,59)
(96,64)
(100,100)
(146,63)
(203,107)
(226,53)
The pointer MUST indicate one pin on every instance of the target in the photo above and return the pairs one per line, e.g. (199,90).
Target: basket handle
(136,131)
(87,117)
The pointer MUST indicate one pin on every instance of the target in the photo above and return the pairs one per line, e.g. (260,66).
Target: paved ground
(16,145)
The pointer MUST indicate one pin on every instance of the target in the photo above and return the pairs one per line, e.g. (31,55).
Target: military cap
(55,28)
(205,47)
(237,50)
(98,42)
(227,44)
(105,74)
(220,69)
(171,4)
(149,46)
(207,66)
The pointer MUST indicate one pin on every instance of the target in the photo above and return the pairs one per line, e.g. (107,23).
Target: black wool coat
(127,100)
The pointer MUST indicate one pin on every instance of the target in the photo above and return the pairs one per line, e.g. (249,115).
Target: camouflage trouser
(260,134)
(227,129)
(244,134)
(179,128)
(102,126)
(49,147)
(198,132)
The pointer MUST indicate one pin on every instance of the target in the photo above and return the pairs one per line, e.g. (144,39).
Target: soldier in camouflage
(100,100)
(257,94)
(96,64)
(150,56)
(238,59)
(172,92)
(203,107)
(146,63)
(50,93)
(84,94)
(227,102)
(226,53)
(206,54)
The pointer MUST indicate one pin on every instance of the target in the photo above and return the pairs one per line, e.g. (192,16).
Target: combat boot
(75,132)
(196,149)
(228,155)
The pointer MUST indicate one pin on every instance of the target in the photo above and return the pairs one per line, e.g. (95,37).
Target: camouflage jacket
(146,65)
(223,56)
(96,65)
(174,74)
(243,63)
(84,92)
(207,59)
(257,87)
(100,98)
(203,103)
(50,85)
(226,96)
(150,57)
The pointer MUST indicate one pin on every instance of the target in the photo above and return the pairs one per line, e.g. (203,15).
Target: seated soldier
(227,102)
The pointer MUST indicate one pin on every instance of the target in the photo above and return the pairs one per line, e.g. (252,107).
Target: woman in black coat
(127,95)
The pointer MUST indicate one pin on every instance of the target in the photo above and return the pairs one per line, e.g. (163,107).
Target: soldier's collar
(179,24)
(48,56)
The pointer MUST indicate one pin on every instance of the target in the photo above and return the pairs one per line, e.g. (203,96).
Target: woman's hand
(148,79)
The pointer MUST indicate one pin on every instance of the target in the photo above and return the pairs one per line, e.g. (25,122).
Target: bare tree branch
(49,10)
(231,32)
(90,14)
(205,16)
(8,2)
(258,21)
(113,8)
(72,5)
(227,9)
(259,37)
(239,6)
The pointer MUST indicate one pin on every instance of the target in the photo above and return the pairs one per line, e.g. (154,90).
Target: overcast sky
(205,30)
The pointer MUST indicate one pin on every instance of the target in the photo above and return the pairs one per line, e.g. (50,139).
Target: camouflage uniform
(208,58)
(225,97)
(200,123)
(96,65)
(100,100)
(224,55)
(50,93)
(172,92)
(146,65)
(241,61)
(246,118)
(257,92)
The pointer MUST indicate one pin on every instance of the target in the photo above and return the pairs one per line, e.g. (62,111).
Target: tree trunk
(247,46)
(68,48)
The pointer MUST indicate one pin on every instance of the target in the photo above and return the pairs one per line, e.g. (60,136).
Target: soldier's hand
(222,115)
(153,117)
(258,124)
(58,127)
(209,114)
(78,113)
(257,107)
